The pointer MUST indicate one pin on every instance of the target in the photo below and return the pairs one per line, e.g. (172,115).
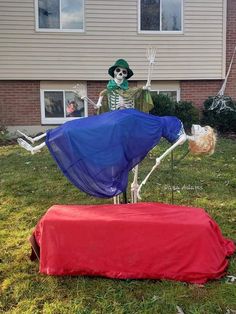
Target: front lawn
(29,185)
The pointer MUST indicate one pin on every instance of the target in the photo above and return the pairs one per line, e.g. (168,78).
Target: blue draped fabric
(97,153)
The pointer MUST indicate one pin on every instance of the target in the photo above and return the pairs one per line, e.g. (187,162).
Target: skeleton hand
(99,103)
(147,87)
(97,106)
(182,139)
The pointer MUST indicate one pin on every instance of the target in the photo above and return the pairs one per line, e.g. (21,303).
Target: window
(58,106)
(160,15)
(60,15)
(173,94)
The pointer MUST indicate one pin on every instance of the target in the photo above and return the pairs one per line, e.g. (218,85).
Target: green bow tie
(113,86)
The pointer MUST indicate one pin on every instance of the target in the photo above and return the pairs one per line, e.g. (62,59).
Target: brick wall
(231,43)
(20,103)
(198,91)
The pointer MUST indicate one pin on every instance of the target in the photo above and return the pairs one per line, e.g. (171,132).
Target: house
(48,46)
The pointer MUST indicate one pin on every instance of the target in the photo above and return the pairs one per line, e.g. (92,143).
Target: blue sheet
(97,153)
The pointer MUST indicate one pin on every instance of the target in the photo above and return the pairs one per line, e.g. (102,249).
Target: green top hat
(121,63)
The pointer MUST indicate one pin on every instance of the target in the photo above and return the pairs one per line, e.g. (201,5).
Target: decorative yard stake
(172,177)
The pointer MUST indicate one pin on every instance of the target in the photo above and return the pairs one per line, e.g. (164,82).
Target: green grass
(29,185)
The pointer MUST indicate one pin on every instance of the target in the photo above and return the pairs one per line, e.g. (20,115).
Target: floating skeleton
(97,153)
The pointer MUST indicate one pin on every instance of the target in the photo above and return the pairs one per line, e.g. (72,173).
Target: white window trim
(60,30)
(45,120)
(168,90)
(161,32)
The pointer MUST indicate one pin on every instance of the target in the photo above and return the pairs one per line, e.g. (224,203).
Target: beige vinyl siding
(111,32)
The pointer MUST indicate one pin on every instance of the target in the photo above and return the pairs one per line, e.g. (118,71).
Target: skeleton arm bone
(99,102)
(151,55)
(180,141)
(150,70)
(89,100)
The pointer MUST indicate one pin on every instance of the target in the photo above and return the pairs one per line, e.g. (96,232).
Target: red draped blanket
(143,240)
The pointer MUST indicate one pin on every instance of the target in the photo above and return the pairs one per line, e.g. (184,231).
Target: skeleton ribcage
(115,101)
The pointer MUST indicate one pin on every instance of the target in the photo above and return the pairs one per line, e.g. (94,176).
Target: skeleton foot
(30,148)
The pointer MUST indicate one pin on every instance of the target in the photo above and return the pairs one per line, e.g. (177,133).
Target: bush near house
(184,110)
(4,136)
(224,121)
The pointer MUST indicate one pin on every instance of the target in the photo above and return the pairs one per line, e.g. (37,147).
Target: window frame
(45,120)
(60,30)
(177,90)
(160,31)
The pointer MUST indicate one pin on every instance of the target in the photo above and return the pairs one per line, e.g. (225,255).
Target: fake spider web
(221,103)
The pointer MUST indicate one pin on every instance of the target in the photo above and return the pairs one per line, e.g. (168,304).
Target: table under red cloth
(143,240)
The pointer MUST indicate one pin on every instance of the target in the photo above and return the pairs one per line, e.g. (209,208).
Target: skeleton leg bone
(116,199)
(32,139)
(134,186)
(29,147)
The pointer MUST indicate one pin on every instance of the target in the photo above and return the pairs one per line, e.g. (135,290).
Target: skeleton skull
(198,130)
(120,74)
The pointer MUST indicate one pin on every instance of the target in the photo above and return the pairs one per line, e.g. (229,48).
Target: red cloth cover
(143,240)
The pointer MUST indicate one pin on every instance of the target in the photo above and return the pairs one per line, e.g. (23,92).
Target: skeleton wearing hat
(118,95)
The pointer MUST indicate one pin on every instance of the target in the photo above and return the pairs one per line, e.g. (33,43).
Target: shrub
(163,105)
(185,111)
(4,134)
(223,120)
